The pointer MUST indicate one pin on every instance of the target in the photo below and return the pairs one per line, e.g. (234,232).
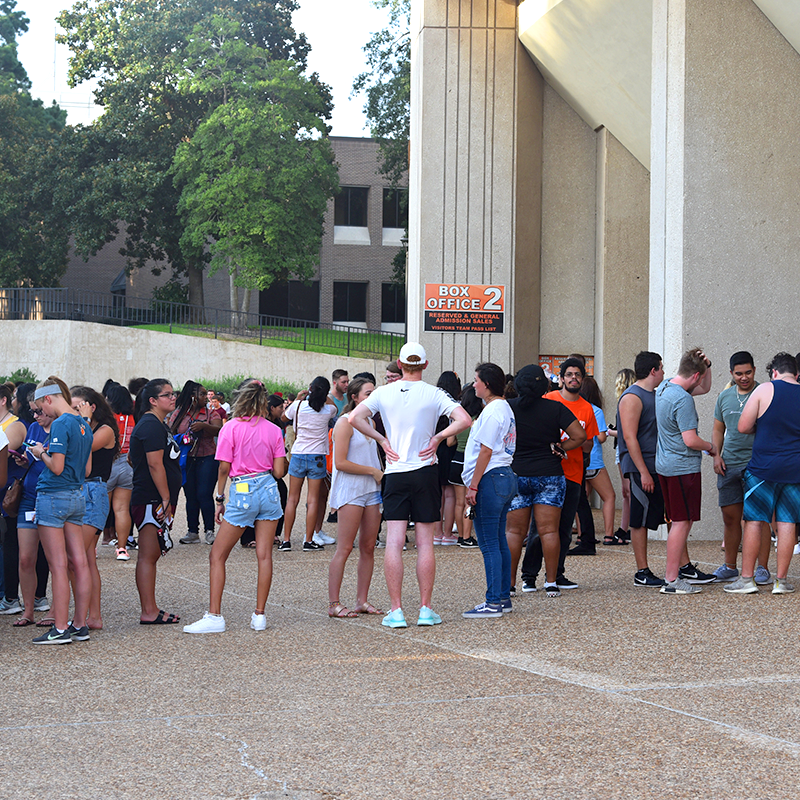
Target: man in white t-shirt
(410,409)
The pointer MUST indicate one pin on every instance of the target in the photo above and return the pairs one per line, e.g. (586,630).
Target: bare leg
(601,483)
(79,565)
(28,552)
(547,521)
(517,524)
(295,487)
(448,510)
(265,533)
(149,553)
(426,562)
(732,520)
(95,618)
(370,523)
(55,549)
(785,548)
(227,536)
(121,504)
(322,504)
(639,544)
(312,506)
(393,560)
(676,548)
(625,522)
(766,545)
(349,520)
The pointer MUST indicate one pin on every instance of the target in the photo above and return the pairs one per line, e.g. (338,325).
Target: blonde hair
(624,379)
(251,400)
(54,381)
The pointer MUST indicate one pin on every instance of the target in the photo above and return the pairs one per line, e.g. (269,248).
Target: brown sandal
(368,608)
(339,611)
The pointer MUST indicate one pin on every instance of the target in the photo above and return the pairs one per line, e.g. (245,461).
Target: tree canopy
(142,55)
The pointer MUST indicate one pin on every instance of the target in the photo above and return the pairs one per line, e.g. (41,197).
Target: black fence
(222,323)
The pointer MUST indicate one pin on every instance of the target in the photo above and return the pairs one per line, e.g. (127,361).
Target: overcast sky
(336,29)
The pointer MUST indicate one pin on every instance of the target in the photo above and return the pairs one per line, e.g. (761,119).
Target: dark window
(395,208)
(291,299)
(349,301)
(350,207)
(393,303)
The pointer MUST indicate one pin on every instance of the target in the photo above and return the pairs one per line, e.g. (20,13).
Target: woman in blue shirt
(60,509)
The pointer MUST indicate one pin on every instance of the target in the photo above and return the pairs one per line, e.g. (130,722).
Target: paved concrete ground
(610,691)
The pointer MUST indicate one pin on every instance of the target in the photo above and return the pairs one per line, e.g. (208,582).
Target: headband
(43,391)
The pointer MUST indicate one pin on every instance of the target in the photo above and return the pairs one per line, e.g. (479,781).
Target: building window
(292,299)
(350,207)
(349,301)
(395,208)
(393,303)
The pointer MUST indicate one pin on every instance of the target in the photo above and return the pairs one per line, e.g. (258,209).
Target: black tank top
(102,461)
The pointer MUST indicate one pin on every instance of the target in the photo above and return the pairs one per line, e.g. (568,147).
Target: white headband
(43,391)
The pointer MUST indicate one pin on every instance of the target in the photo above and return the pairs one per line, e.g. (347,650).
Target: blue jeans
(495,493)
(201,476)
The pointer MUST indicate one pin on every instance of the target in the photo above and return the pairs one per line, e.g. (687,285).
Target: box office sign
(466,308)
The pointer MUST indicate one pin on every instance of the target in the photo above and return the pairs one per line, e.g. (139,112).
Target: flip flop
(22,622)
(46,622)
(162,619)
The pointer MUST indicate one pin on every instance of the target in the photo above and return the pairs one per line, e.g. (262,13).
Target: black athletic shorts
(647,508)
(415,495)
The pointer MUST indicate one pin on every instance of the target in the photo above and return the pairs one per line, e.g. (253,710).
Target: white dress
(346,486)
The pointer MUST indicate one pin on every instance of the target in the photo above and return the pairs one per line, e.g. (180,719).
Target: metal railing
(112,309)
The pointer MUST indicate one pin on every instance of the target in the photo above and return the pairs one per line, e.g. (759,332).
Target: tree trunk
(234,299)
(196,298)
(245,307)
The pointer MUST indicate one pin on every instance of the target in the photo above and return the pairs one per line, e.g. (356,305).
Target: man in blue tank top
(770,480)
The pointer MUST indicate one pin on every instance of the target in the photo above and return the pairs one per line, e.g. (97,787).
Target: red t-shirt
(582,409)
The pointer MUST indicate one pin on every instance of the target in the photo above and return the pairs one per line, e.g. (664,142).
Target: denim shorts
(26,515)
(306,465)
(251,499)
(545,490)
(56,509)
(95,493)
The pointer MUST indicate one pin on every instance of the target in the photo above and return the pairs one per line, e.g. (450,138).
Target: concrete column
(475,175)
(725,210)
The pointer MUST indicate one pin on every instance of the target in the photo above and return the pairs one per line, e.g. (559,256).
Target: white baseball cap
(412,353)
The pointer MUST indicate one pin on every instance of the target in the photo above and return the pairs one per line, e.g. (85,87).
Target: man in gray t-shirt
(679,453)
(734,451)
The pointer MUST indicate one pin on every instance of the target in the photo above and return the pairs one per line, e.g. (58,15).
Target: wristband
(220,498)
(473,488)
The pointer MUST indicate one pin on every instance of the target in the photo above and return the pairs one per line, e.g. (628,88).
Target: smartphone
(558,450)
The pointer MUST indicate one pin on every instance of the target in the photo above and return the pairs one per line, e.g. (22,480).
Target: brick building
(362,234)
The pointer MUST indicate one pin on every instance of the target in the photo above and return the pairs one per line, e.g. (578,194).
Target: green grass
(317,340)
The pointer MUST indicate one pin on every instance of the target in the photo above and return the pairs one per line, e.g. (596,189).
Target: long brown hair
(103,415)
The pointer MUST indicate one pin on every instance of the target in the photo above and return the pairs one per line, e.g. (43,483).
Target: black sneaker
(471,542)
(312,545)
(285,546)
(581,549)
(333,517)
(54,636)
(513,591)
(644,577)
(529,586)
(78,634)
(563,582)
(132,544)
(691,574)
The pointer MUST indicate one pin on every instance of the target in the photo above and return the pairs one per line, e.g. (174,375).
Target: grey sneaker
(41,604)
(742,586)
(10,606)
(680,586)
(782,587)
(725,573)
(762,576)
(193,537)
(210,536)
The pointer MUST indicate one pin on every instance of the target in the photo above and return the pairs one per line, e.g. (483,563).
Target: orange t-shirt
(582,409)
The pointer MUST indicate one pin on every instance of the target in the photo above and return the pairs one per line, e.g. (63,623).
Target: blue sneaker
(53,636)
(761,576)
(507,607)
(724,574)
(428,617)
(484,611)
(395,619)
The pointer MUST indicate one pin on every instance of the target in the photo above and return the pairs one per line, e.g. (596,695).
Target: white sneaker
(210,536)
(796,550)
(258,622)
(211,623)
(320,537)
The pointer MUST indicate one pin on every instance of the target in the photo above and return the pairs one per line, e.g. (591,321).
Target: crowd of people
(501,463)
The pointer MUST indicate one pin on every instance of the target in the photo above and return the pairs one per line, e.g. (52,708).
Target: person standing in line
(623,380)
(409,409)
(572,373)
(155,458)
(679,451)
(637,438)
(734,450)
(771,484)
(492,485)
(339,382)
(60,509)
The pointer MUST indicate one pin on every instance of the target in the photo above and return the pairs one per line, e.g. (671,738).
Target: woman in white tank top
(355,491)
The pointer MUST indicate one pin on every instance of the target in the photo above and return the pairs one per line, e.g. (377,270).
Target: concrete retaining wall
(85,352)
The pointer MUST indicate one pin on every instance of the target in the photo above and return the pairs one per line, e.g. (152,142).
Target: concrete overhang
(597,55)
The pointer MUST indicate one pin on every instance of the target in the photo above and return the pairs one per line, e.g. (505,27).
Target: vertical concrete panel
(568,230)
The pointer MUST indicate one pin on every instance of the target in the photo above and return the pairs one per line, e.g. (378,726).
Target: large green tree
(33,239)
(387,85)
(257,173)
(137,50)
